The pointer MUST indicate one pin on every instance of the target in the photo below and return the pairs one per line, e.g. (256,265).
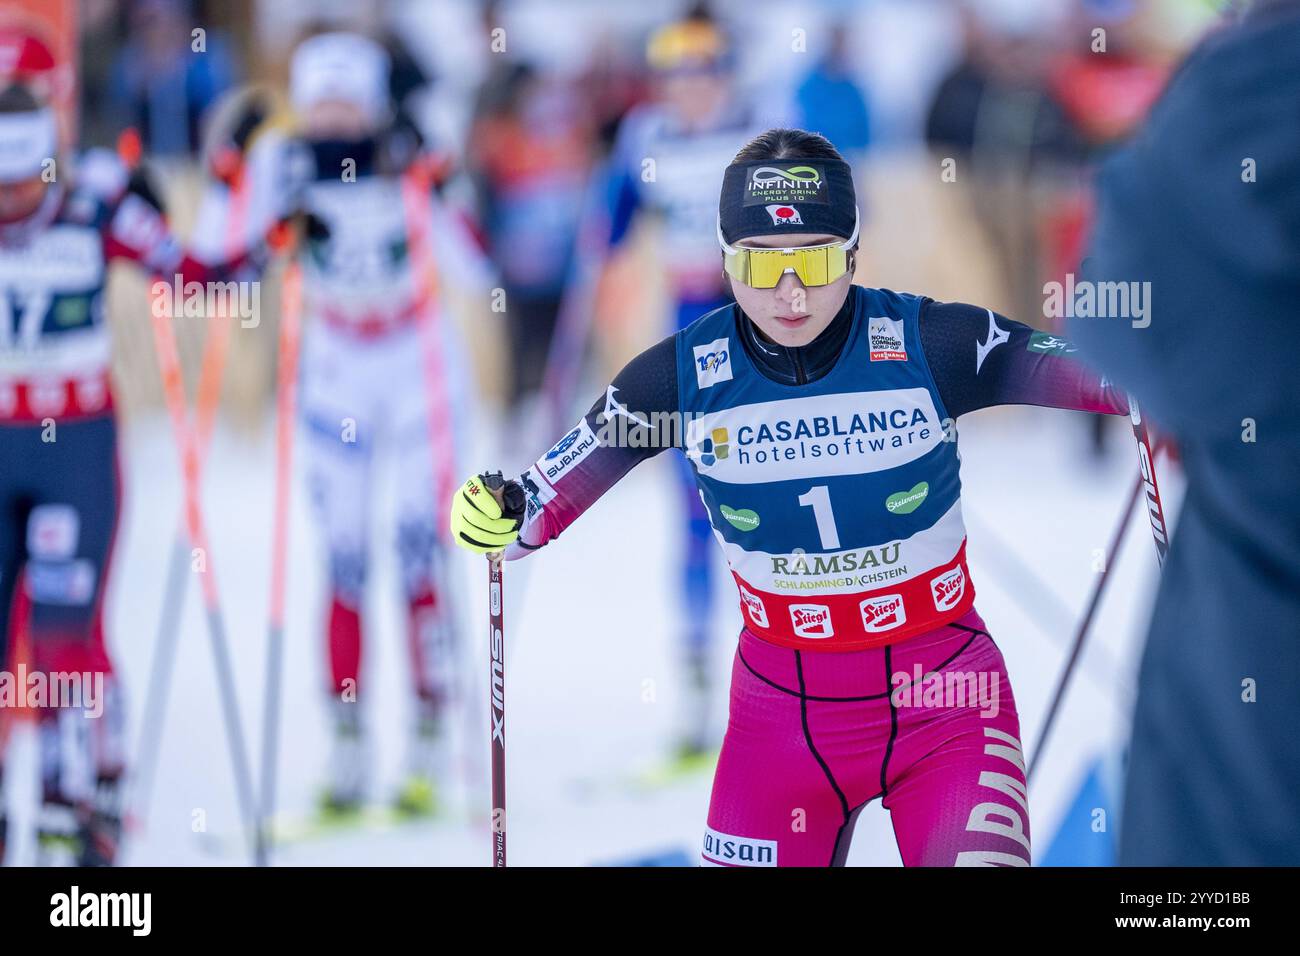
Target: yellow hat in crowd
(685,43)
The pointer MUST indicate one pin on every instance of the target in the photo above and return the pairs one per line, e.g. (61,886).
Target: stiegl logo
(754,605)
(948,588)
(811,620)
(883,613)
(74,908)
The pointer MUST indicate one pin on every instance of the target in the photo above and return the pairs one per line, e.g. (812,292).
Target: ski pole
(286,400)
(1081,632)
(1147,459)
(174,393)
(176,587)
(1146,480)
(497,711)
(510,505)
(207,397)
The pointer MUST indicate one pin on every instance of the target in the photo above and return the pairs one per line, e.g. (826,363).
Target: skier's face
(21,198)
(336,119)
(695,96)
(791,313)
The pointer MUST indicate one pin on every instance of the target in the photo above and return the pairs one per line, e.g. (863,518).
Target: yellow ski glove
(487,513)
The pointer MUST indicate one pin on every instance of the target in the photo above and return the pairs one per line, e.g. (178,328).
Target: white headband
(340,66)
(27,140)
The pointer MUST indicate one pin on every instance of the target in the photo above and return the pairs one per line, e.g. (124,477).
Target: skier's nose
(790,290)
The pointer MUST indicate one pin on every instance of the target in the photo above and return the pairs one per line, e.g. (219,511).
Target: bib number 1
(819,499)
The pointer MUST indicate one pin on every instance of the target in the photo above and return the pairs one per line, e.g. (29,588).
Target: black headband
(787,195)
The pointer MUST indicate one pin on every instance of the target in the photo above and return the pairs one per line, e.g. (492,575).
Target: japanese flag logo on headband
(784,215)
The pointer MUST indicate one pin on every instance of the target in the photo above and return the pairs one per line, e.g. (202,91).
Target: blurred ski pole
(174,393)
(1081,631)
(1146,480)
(1146,460)
(207,398)
(286,403)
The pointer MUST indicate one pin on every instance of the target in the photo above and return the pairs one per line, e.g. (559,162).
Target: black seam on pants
(849,700)
(893,727)
(846,829)
(812,747)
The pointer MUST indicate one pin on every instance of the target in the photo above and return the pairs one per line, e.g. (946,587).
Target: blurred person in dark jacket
(530,149)
(1015,147)
(166,76)
(1204,204)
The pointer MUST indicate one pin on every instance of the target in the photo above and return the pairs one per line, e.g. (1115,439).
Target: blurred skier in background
(63,219)
(355,173)
(530,146)
(667,162)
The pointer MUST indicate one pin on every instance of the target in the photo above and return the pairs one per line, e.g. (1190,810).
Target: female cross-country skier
(817,417)
(350,168)
(61,225)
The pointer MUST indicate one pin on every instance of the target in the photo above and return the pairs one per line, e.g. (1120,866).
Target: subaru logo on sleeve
(565,455)
(563,444)
(713,363)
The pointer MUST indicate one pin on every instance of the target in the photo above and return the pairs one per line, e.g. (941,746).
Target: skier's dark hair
(701,12)
(785,143)
(18,99)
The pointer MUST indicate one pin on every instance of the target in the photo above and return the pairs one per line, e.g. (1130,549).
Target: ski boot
(345,789)
(101,826)
(418,795)
(694,741)
(59,839)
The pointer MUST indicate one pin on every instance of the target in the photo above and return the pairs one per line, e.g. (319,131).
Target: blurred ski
(649,779)
(289,830)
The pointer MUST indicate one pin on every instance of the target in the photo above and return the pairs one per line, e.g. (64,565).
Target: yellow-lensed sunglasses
(763,268)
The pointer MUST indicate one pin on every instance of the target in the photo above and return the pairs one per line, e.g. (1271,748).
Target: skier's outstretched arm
(980,359)
(634,419)
(135,228)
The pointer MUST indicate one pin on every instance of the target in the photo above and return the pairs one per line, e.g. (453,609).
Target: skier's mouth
(792,321)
